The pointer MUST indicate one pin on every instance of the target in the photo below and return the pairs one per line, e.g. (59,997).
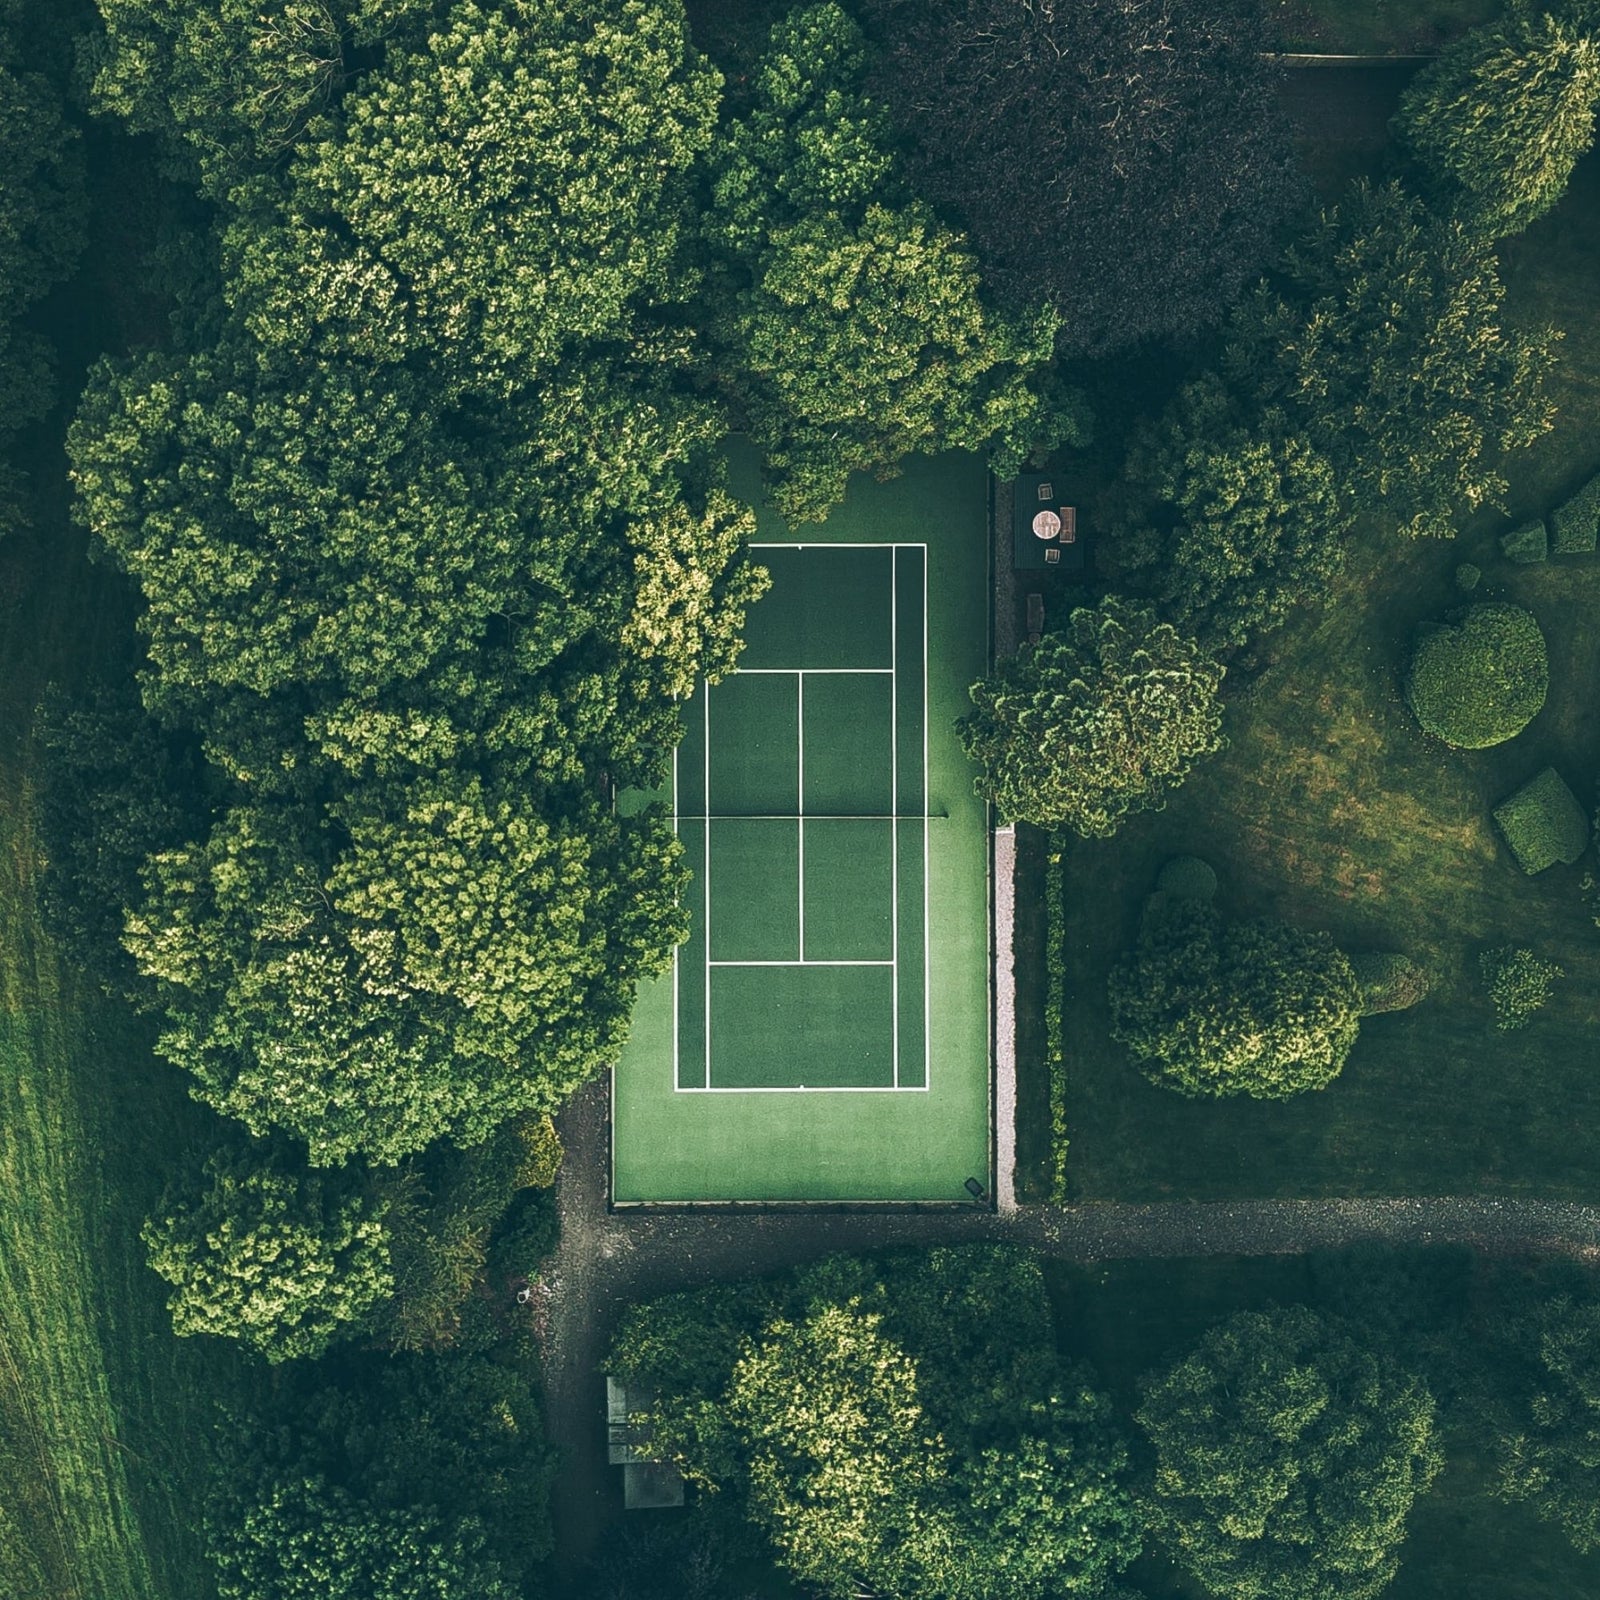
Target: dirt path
(608,1260)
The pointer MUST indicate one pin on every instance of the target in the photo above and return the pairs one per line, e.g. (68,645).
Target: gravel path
(608,1260)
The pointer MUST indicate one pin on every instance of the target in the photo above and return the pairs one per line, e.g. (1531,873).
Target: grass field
(824,1035)
(1331,809)
(105,1417)
(1375,27)
(1129,1318)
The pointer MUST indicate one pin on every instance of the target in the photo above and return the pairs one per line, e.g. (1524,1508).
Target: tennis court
(802,803)
(824,1031)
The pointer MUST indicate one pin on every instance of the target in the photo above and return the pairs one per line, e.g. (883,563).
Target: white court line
(802,963)
(810,672)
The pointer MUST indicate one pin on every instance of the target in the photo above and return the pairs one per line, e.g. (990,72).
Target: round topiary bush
(1468,577)
(1479,678)
(1187,878)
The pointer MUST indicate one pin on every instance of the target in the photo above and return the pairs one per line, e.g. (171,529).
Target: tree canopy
(1127,166)
(432,545)
(849,318)
(1212,1007)
(1498,122)
(1235,523)
(1480,677)
(1287,1459)
(1549,1455)
(1382,341)
(262,1251)
(42,214)
(945,1486)
(1095,722)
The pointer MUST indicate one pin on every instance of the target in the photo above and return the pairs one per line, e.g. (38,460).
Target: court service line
(811,1088)
(811,672)
(803,963)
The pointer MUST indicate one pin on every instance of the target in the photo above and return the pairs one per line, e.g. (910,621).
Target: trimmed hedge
(1543,823)
(1527,544)
(1187,878)
(1575,526)
(1480,678)
(1389,982)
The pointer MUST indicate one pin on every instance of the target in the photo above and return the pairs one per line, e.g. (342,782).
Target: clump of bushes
(1543,823)
(1479,678)
(1468,577)
(1389,981)
(1518,982)
(1212,1007)
(1575,526)
(1527,544)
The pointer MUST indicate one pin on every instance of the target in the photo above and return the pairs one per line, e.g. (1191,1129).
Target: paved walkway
(609,1260)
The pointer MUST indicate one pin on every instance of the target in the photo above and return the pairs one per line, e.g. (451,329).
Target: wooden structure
(647,1484)
(1044,532)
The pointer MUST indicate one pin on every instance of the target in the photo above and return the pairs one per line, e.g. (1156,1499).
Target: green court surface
(824,1033)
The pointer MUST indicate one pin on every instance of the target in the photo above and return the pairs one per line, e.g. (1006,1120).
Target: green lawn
(105,1417)
(747,1079)
(1331,809)
(1374,27)
(1128,1318)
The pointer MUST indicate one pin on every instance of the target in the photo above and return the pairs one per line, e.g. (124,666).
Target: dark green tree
(1095,722)
(1549,1455)
(433,548)
(851,319)
(1383,344)
(1287,1459)
(42,215)
(1126,165)
(459,961)
(1212,1007)
(306,1539)
(1236,525)
(1498,122)
(260,1250)
(842,1408)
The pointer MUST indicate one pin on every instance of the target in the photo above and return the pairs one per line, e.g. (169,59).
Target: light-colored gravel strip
(1005,1020)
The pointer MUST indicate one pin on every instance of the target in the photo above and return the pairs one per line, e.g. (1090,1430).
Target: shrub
(1095,722)
(1526,544)
(1209,1007)
(1575,526)
(541,1153)
(1389,982)
(1543,823)
(259,1249)
(526,1235)
(1187,878)
(1287,1458)
(1499,120)
(1468,577)
(1518,982)
(1480,679)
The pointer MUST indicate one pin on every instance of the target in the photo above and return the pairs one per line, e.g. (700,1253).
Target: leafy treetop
(1095,722)
(1287,1459)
